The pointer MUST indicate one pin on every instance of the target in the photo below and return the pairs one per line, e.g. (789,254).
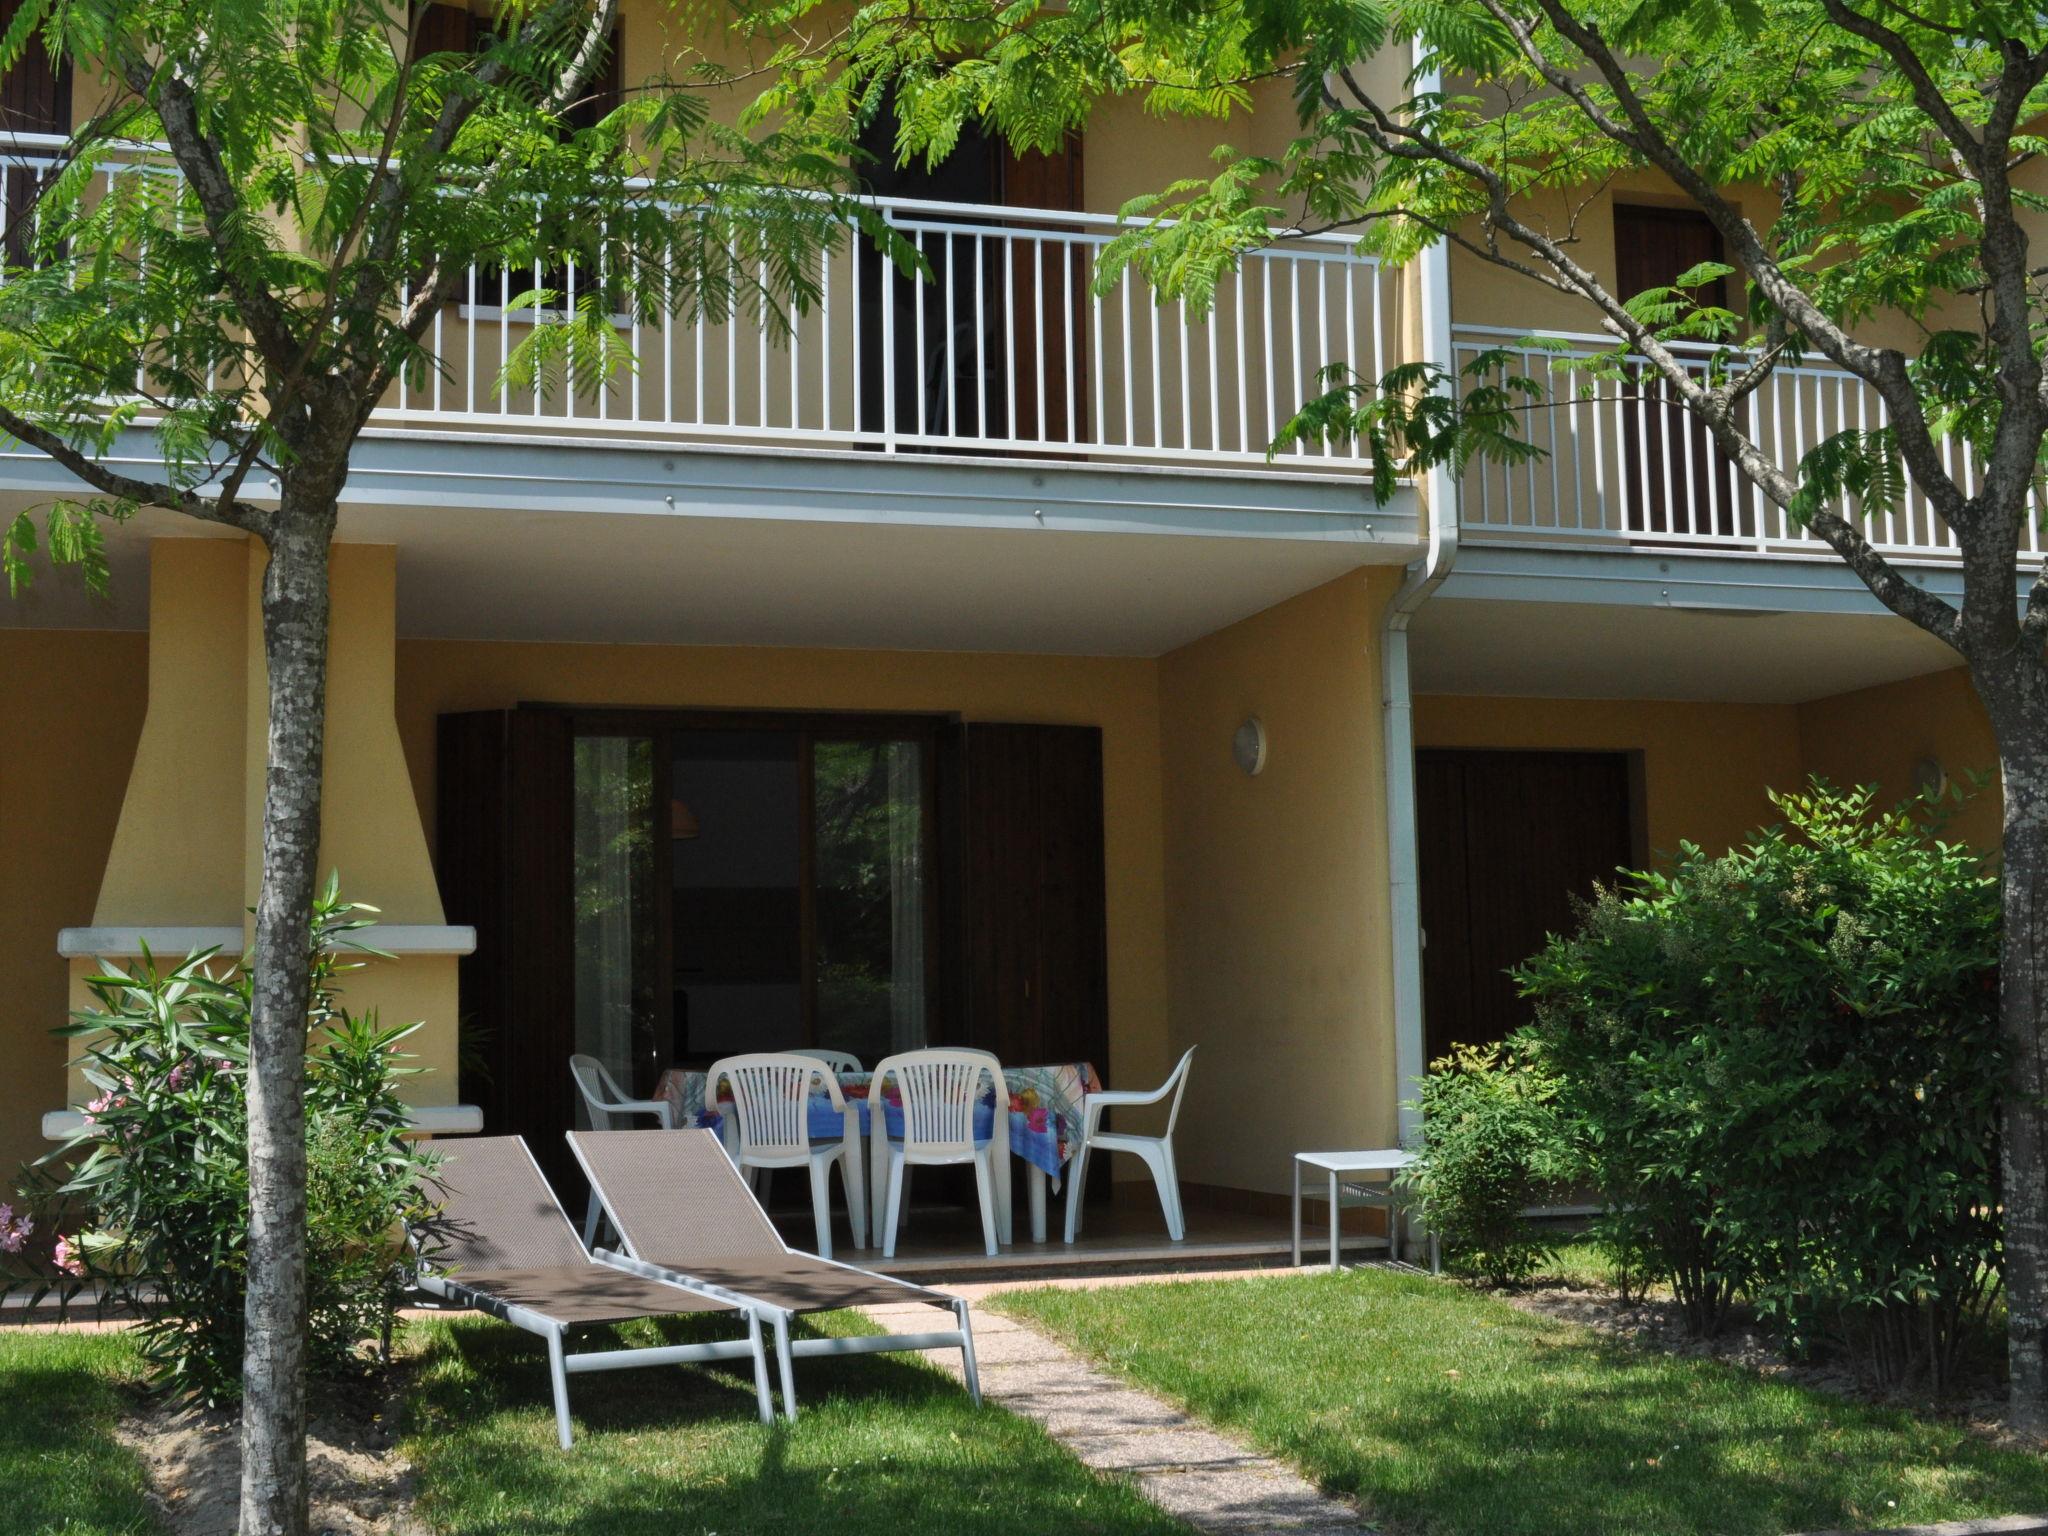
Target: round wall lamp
(1248,745)
(1930,778)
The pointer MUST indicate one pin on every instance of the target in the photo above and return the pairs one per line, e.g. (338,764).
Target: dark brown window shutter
(35,95)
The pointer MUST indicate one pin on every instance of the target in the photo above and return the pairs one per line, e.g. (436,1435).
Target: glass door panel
(736,873)
(617,960)
(869,896)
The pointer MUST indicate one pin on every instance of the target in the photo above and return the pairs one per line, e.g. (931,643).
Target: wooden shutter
(1033,958)
(1052,182)
(1677,479)
(448,29)
(1507,841)
(505,846)
(35,97)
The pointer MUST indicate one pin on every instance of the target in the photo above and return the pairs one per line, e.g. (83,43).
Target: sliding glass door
(756,886)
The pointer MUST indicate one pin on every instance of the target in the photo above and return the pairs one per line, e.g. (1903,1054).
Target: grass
(63,1471)
(883,1446)
(1446,1411)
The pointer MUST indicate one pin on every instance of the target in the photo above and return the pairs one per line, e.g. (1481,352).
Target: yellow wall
(1705,766)
(72,704)
(1277,920)
(1876,735)
(1119,695)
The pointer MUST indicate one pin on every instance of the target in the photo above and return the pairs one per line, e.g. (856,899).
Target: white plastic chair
(838,1061)
(610,1110)
(771,1101)
(941,1092)
(1157,1151)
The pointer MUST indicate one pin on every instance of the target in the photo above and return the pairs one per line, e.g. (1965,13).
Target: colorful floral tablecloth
(1046,1107)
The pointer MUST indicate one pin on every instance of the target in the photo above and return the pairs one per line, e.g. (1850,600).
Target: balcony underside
(1667,624)
(521,539)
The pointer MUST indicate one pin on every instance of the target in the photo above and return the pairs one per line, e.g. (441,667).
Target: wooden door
(1032,946)
(1676,479)
(1508,841)
(1049,292)
(505,858)
(35,97)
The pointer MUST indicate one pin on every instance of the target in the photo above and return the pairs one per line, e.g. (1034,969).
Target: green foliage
(352,180)
(1493,1145)
(1784,1064)
(1881,215)
(159,1175)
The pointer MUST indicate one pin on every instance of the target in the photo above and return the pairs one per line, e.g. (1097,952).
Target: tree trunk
(295,604)
(2017,701)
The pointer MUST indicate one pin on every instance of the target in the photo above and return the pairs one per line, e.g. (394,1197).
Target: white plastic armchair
(771,1100)
(610,1110)
(1157,1151)
(838,1061)
(941,1092)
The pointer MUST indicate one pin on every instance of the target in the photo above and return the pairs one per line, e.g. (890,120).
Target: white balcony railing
(1007,348)
(1623,464)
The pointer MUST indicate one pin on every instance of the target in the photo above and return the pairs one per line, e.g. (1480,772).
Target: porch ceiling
(497,574)
(1484,647)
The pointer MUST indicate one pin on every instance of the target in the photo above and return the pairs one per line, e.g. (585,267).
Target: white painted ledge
(97,943)
(427,1119)
(120,943)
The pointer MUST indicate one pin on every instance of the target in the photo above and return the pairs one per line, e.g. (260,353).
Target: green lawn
(1449,1412)
(883,1446)
(62,1471)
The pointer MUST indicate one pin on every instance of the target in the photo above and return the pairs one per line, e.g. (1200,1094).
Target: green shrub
(1493,1145)
(1785,1064)
(158,1179)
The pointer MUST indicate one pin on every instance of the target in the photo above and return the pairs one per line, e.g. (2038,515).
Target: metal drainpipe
(1440,495)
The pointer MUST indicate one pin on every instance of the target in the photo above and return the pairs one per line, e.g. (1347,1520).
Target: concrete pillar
(186,858)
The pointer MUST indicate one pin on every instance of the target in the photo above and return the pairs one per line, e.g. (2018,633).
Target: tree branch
(227,510)
(268,320)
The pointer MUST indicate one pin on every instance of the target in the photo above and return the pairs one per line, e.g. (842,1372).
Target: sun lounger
(682,1211)
(501,1243)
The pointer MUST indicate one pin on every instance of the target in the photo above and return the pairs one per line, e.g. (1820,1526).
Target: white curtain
(606,824)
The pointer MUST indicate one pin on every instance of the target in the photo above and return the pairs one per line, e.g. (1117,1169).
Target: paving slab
(1217,1485)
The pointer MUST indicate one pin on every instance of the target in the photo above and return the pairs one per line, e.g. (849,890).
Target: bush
(1493,1145)
(159,1177)
(1785,1064)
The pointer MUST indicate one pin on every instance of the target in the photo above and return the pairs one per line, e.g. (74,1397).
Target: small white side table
(1346,1168)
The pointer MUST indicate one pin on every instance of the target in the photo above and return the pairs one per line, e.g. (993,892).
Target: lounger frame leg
(558,1374)
(785,1366)
(970,1371)
(763,1401)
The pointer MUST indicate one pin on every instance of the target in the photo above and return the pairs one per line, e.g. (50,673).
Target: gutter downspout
(1440,499)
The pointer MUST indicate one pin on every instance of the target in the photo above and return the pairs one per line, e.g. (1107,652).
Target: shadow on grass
(1452,1413)
(61,1467)
(882,1445)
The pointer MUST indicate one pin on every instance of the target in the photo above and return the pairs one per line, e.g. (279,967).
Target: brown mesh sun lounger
(500,1243)
(682,1212)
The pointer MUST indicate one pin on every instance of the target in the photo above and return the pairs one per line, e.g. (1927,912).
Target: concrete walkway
(1186,1468)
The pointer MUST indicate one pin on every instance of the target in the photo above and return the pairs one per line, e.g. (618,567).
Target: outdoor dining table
(1043,1126)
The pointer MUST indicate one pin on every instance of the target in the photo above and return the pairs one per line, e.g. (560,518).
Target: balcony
(1006,350)
(1623,466)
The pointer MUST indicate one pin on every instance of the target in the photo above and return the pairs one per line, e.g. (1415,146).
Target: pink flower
(99,1106)
(177,1078)
(14,1230)
(70,1258)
